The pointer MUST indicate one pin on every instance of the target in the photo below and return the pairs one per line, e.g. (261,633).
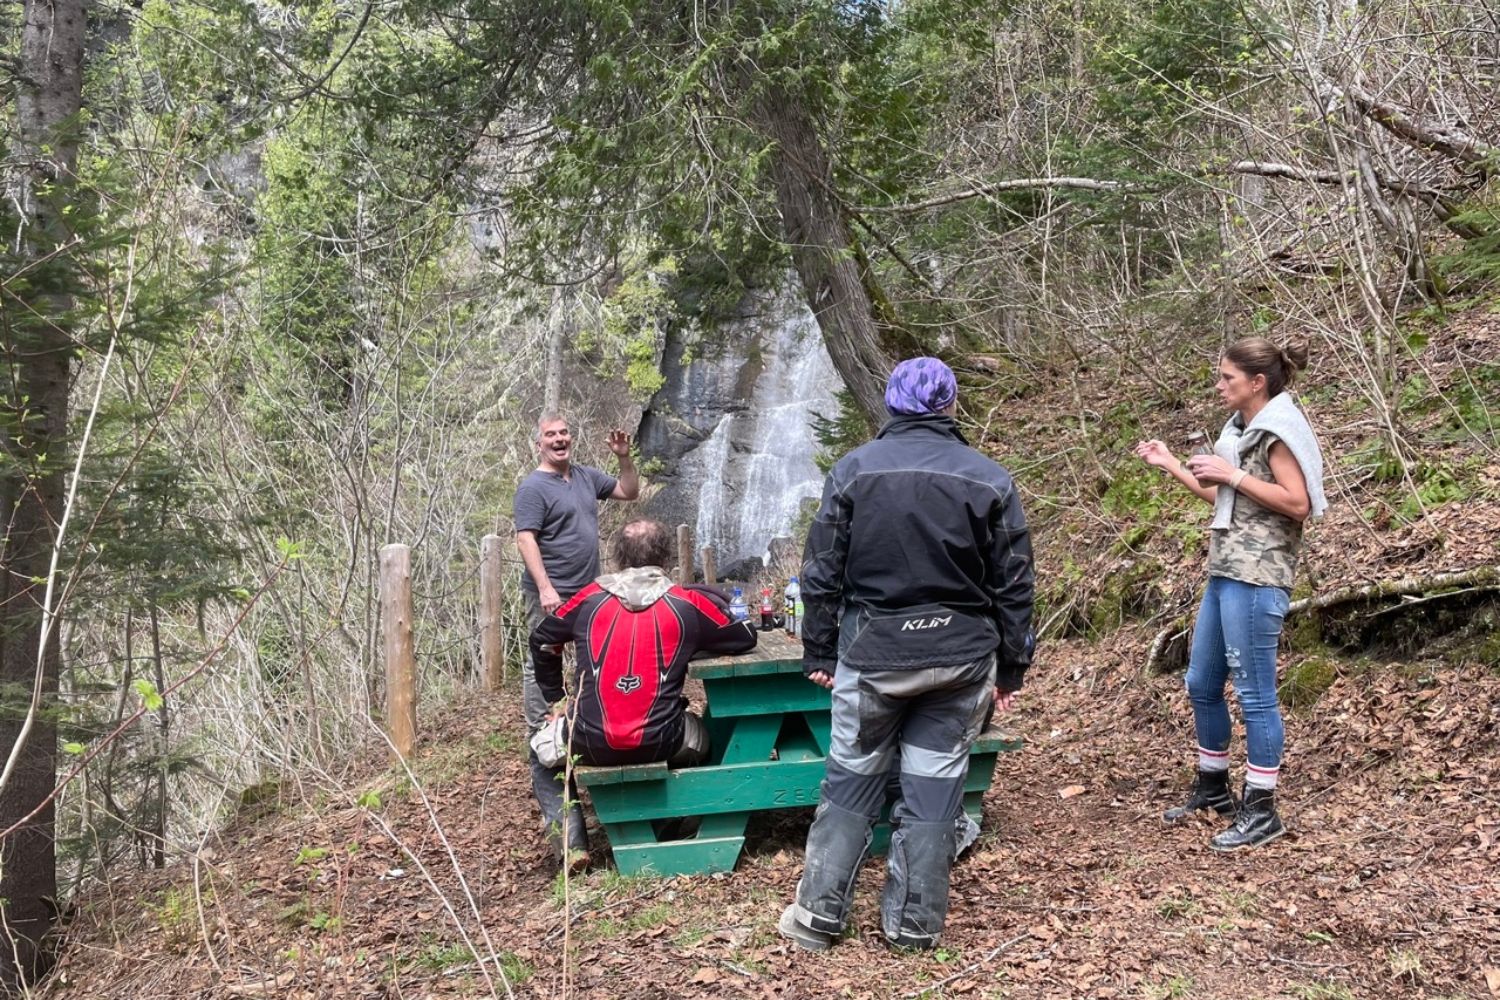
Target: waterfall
(756,468)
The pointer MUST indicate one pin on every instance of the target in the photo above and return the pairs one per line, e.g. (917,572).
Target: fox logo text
(914,624)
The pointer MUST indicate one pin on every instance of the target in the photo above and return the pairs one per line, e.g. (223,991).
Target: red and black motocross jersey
(632,662)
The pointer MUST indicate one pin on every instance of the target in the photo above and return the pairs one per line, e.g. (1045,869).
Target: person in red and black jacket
(634,632)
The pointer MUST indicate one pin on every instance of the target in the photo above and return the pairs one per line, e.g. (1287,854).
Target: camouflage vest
(1260,546)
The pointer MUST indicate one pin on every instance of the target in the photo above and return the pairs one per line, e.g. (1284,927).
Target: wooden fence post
(400,670)
(491,658)
(684,554)
(710,572)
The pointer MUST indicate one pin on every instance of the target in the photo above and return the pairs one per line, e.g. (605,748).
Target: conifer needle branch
(49,612)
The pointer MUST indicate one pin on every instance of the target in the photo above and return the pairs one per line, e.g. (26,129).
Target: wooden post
(684,554)
(400,670)
(491,658)
(710,573)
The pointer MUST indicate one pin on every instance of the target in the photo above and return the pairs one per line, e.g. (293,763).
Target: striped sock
(1213,760)
(1261,777)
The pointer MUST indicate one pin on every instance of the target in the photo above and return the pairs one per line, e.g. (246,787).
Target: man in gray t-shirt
(557,532)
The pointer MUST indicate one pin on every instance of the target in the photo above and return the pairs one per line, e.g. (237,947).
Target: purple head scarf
(920,385)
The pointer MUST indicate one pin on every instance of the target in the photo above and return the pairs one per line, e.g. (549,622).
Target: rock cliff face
(733,429)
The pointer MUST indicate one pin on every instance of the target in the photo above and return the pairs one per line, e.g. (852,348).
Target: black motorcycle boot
(1210,791)
(1255,824)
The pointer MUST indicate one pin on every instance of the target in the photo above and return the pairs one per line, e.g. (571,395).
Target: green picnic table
(769,727)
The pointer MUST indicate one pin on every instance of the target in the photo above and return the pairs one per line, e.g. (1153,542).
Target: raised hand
(619,442)
(1156,453)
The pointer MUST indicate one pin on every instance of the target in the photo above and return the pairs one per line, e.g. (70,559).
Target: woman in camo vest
(1264,480)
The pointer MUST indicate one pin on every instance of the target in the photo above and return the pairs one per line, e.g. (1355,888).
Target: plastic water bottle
(793,607)
(738,609)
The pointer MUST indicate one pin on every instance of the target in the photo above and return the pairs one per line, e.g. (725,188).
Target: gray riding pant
(929,716)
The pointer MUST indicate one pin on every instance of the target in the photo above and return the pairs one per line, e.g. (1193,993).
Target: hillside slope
(1386,885)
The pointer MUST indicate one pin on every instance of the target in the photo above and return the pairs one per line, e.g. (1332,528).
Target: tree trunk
(36,349)
(823,249)
(559,331)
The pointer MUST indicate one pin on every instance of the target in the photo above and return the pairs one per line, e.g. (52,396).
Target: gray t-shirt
(564,515)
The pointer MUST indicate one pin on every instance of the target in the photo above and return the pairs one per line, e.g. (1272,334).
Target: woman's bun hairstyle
(1294,353)
(1259,356)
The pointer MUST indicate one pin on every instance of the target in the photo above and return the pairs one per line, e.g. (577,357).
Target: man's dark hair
(642,542)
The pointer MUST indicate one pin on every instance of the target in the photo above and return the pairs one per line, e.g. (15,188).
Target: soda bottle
(738,609)
(793,607)
(767,611)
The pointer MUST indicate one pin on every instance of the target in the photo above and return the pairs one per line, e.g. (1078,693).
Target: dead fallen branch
(1164,639)
(1481,578)
(932,988)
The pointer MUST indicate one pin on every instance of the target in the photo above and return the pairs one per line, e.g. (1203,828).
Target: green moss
(1484,648)
(1305,631)
(1306,681)
(1127,593)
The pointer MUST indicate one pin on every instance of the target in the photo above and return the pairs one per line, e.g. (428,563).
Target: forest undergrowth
(398,881)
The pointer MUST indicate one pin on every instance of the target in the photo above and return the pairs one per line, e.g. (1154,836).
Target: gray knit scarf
(1282,418)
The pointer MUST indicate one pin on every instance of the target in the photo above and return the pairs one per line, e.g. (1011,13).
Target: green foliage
(841,433)
(177,914)
(1465,409)
(148,694)
(1136,491)
(635,317)
(1178,904)
(1164,60)
(514,968)
(631,922)
(436,957)
(1476,259)
(1437,483)
(309,855)
(1173,988)
(326,922)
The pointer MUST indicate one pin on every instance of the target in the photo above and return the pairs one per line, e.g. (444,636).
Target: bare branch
(1450,140)
(1014,184)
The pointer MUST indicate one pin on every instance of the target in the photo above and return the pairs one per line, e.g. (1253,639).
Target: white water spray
(757,466)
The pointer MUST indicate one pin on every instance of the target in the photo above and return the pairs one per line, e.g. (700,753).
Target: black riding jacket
(919,557)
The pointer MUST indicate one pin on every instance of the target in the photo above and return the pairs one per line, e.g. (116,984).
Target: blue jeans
(1235,639)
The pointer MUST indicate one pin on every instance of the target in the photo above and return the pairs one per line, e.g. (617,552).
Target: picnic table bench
(769,727)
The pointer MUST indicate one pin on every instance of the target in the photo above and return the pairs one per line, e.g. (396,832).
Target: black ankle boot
(1210,791)
(1256,823)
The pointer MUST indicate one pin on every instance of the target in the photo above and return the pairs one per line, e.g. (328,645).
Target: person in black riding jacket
(918,586)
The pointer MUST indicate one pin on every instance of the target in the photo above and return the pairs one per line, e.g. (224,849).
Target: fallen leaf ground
(1386,886)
